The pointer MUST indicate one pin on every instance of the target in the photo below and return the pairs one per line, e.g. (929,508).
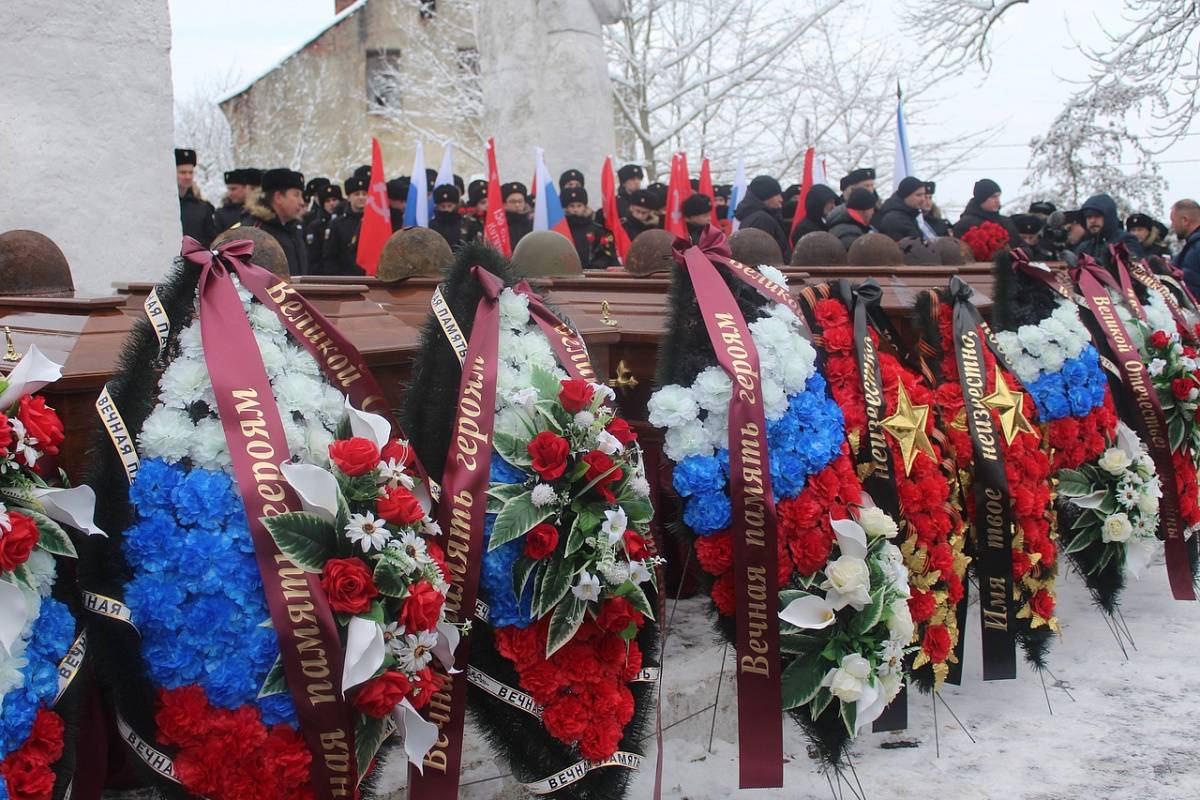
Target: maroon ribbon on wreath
(567,344)
(754,529)
(461,516)
(1139,271)
(304,625)
(1091,277)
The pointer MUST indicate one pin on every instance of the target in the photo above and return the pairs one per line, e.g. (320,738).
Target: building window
(428,9)
(383,79)
(467,59)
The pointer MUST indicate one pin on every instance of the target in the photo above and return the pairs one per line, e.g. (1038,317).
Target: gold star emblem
(907,425)
(1011,407)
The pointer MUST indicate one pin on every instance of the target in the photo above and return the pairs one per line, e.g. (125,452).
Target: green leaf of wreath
(567,618)
(308,540)
(801,681)
(51,536)
(516,519)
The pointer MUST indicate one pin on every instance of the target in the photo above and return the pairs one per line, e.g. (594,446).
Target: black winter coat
(751,213)
(896,220)
(290,237)
(455,228)
(518,226)
(973,216)
(814,206)
(593,243)
(339,253)
(845,227)
(196,216)
(1111,233)
(228,215)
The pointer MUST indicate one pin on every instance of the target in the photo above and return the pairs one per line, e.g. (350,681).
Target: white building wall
(87,133)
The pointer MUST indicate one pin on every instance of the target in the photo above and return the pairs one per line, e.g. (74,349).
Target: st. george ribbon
(461,516)
(257,446)
(755,554)
(993,504)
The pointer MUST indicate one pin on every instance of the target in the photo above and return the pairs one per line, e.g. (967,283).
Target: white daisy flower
(412,545)
(367,531)
(392,474)
(416,650)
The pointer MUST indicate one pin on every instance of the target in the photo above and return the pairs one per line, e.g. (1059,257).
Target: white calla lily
(446,646)
(851,538)
(364,652)
(75,507)
(31,373)
(809,612)
(316,487)
(419,733)
(369,426)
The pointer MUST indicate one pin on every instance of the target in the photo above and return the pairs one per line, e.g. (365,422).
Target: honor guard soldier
(593,242)
(195,213)
(453,226)
(279,210)
(339,256)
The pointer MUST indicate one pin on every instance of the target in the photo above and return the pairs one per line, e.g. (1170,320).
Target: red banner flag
(612,217)
(676,192)
(377,216)
(495,225)
(806,184)
(706,189)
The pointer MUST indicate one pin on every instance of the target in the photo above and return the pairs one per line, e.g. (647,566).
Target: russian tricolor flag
(548,211)
(416,212)
(737,193)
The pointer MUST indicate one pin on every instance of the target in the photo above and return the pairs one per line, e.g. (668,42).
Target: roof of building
(340,17)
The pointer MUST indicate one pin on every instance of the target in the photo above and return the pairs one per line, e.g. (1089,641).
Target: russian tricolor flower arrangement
(932,534)
(567,586)
(1004,469)
(263,526)
(37,621)
(1107,487)
(833,575)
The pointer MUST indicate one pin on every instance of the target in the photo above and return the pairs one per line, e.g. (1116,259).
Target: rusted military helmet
(413,251)
(918,253)
(818,249)
(31,265)
(948,250)
(267,252)
(753,246)
(546,254)
(874,250)
(650,252)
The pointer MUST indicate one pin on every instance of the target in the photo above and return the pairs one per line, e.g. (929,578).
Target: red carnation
(549,453)
(18,542)
(921,605)
(941,557)
(810,550)
(722,594)
(1160,339)
(616,615)
(715,553)
(27,776)
(1181,388)
(1042,604)
(400,452)
(41,423)
(379,696)
(541,541)
(566,718)
(839,339)
(599,464)
(348,585)
(422,607)
(182,715)
(400,507)
(936,643)
(621,431)
(354,456)
(576,395)
(635,546)
(46,739)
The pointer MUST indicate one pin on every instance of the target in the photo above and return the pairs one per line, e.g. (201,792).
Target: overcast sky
(222,43)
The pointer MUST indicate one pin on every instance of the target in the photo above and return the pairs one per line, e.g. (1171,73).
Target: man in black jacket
(1103,228)
(397,192)
(1150,234)
(593,243)
(818,205)
(339,255)
(897,217)
(761,208)
(852,220)
(984,206)
(195,213)
(860,178)
(315,223)
(640,217)
(447,220)
(278,212)
(233,206)
(697,215)
(516,211)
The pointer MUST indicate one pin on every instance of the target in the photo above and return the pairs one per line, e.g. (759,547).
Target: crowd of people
(317,222)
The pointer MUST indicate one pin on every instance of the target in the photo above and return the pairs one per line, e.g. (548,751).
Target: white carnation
(717,426)
(1052,357)
(1032,338)
(672,406)
(690,439)
(272,358)
(297,359)
(209,448)
(784,314)
(1026,367)
(793,374)
(511,422)
(771,334)
(265,320)
(514,309)
(166,434)
(331,407)
(713,389)
(186,381)
(190,344)
(775,402)
(316,445)
(298,393)
(773,274)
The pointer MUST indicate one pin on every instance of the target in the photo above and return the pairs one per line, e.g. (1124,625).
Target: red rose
(27,777)
(399,451)
(936,643)
(921,605)
(621,431)
(617,614)
(422,607)
(715,553)
(428,683)
(541,541)
(635,546)
(17,543)
(549,453)
(379,696)
(1181,388)
(354,456)
(1042,604)
(1160,339)
(6,436)
(576,395)
(599,464)
(400,507)
(348,585)
(41,423)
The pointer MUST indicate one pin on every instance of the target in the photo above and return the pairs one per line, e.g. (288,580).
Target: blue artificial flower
(1076,389)
(151,491)
(496,582)
(277,708)
(698,474)
(504,472)
(49,639)
(707,513)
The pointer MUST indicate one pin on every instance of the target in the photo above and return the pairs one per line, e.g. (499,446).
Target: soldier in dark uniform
(641,214)
(571,179)
(453,226)
(516,211)
(195,213)
(397,192)
(697,215)
(1149,233)
(593,242)
(1029,229)
(630,176)
(863,177)
(278,212)
(477,195)
(339,256)
(316,222)
(721,194)
(233,206)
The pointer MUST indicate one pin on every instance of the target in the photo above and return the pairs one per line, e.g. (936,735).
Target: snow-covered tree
(200,125)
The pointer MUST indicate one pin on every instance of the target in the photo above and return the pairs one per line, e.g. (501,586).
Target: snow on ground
(1129,731)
